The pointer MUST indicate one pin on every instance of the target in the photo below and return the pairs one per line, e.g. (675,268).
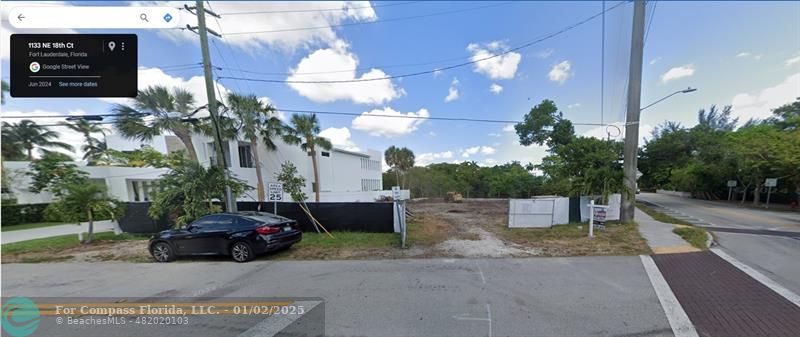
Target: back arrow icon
(20,17)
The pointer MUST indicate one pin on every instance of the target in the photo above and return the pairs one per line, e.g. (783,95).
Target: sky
(745,54)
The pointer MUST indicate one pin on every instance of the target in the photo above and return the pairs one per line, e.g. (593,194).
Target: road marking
(677,318)
(758,276)
(480,271)
(273,324)
(488,318)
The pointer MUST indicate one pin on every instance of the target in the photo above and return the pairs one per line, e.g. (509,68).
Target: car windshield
(400,168)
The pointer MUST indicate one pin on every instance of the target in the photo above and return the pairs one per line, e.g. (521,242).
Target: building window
(245,156)
(326,154)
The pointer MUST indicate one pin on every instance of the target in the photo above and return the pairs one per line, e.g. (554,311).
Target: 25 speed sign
(275,192)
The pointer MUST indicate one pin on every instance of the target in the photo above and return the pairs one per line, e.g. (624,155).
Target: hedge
(31,213)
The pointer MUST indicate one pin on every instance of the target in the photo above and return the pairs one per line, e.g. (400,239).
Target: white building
(344,175)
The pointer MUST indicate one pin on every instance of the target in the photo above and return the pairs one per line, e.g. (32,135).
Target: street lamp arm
(684,91)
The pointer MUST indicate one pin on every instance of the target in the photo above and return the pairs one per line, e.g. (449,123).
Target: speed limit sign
(275,192)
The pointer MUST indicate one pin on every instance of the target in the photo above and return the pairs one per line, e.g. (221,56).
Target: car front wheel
(162,252)
(241,252)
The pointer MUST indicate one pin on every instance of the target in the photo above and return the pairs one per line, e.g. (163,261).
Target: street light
(684,91)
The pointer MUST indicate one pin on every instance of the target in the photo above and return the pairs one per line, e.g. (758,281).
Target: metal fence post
(591,218)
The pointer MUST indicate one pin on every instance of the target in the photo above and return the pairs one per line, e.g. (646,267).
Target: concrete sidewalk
(46,232)
(660,237)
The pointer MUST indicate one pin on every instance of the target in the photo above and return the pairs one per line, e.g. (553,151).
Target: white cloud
(509,128)
(282,25)
(340,138)
(196,85)
(545,53)
(66,135)
(792,61)
(495,88)
(338,57)
(452,92)
(759,105)
(488,162)
(485,150)
(677,72)
(499,67)
(572,106)
(389,126)
(560,72)
(437,72)
(749,55)
(655,60)
(6,29)
(470,151)
(432,157)
(492,134)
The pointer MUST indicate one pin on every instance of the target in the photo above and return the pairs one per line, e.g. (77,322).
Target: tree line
(701,159)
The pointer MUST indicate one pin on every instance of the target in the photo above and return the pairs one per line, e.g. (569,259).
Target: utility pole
(229,200)
(632,120)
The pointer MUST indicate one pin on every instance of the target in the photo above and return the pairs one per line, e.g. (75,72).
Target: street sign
(731,183)
(396,193)
(275,192)
(771,182)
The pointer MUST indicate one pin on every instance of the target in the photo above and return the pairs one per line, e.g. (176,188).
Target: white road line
(677,318)
(480,271)
(489,312)
(786,293)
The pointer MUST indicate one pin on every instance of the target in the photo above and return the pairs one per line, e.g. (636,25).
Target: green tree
(94,149)
(399,161)
(293,183)
(168,111)
(83,197)
(258,121)
(4,88)
(27,135)
(305,131)
(188,191)
(544,124)
(51,173)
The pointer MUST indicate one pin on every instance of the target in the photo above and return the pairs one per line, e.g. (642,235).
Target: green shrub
(31,213)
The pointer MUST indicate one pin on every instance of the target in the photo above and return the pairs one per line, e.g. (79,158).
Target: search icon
(143,17)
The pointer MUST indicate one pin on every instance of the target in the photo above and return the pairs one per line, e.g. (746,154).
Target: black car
(240,235)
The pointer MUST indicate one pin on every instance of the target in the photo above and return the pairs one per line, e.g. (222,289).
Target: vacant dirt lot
(474,228)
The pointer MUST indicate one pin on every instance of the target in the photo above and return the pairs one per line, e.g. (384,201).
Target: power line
(650,21)
(320,9)
(531,43)
(338,113)
(372,22)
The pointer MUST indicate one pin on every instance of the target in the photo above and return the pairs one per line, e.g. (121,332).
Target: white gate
(538,212)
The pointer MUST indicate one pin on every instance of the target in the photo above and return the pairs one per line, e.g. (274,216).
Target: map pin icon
(111,45)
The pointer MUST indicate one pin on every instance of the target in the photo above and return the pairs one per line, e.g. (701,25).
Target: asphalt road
(603,296)
(774,256)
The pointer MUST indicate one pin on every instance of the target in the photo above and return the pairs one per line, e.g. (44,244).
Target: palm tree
(305,130)
(400,160)
(4,88)
(256,120)
(166,108)
(93,148)
(27,135)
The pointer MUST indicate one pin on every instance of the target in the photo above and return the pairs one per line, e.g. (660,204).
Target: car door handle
(189,236)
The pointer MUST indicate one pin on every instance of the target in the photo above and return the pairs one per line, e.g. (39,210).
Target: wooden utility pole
(634,108)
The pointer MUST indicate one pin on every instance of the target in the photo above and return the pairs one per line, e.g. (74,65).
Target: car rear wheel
(241,252)
(162,252)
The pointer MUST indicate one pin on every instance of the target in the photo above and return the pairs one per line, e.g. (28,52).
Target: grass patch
(697,237)
(344,245)
(62,242)
(427,231)
(572,239)
(658,216)
(30,226)
(349,240)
